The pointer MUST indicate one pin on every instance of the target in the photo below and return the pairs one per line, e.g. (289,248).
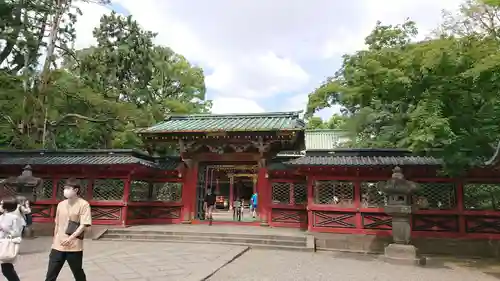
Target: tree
(437,96)
(149,82)
(335,122)
(98,96)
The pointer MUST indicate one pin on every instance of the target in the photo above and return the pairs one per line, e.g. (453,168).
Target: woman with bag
(11,227)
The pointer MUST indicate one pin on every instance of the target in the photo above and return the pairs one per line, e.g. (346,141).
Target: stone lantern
(399,206)
(24,187)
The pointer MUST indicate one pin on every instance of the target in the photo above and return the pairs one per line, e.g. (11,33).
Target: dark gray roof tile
(363,161)
(86,157)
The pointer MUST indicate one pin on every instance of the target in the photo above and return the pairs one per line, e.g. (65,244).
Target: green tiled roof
(85,157)
(229,122)
(363,161)
(324,139)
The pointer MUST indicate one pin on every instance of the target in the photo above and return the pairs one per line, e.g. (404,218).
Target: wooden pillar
(238,192)
(357,204)
(310,202)
(190,178)
(254,188)
(263,197)
(90,188)
(126,198)
(55,186)
(231,192)
(460,206)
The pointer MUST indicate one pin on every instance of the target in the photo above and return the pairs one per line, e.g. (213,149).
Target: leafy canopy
(437,96)
(95,98)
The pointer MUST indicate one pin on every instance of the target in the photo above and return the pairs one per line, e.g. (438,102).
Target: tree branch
(78,116)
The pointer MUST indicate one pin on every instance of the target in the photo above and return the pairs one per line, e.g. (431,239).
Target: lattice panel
(340,193)
(140,191)
(482,224)
(288,216)
(166,212)
(41,211)
(60,188)
(300,192)
(482,196)
(372,196)
(106,213)
(377,221)
(436,196)
(7,190)
(44,191)
(135,213)
(108,189)
(167,191)
(435,223)
(281,192)
(334,219)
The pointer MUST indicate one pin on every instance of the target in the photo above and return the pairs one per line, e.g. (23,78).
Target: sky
(260,55)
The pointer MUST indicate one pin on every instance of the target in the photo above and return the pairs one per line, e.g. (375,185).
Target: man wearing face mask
(72,218)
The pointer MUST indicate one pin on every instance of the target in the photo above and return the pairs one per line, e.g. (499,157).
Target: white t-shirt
(11,224)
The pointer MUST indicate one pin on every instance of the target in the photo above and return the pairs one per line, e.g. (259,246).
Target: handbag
(9,249)
(73,226)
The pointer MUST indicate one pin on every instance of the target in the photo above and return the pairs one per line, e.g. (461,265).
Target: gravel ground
(263,265)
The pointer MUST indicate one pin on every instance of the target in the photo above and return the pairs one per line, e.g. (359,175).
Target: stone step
(254,246)
(208,234)
(203,238)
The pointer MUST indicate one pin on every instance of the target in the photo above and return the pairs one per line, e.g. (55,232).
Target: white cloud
(86,23)
(257,49)
(426,13)
(257,76)
(235,105)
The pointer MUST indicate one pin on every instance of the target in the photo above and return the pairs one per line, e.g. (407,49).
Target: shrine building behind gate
(302,178)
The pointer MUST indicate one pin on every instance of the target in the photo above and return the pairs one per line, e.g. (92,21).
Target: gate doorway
(231,183)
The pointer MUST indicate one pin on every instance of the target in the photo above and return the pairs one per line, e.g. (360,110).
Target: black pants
(56,262)
(9,272)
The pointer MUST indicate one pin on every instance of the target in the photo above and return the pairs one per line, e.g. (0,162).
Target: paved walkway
(263,265)
(131,261)
(150,261)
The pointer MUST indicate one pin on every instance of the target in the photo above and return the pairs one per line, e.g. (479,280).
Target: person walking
(11,227)
(25,209)
(254,201)
(72,218)
(209,205)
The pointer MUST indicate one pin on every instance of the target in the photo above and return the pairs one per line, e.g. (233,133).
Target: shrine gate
(302,178)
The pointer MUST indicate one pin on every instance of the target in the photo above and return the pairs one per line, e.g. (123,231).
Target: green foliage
(335,122)
(438,96)
(99,96)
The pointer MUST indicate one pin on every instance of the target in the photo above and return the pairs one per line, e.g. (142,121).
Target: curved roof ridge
(226,115)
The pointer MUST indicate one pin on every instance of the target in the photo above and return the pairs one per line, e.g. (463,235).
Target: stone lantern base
(402,254)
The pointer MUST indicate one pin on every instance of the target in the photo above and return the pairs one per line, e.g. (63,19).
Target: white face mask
(69,193)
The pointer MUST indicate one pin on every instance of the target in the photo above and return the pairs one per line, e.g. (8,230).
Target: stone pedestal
(402,254)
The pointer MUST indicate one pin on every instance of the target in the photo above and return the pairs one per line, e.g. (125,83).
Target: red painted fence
(116,201)
(447,208)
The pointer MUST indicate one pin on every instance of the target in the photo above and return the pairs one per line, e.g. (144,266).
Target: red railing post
(357,204)
(55,185)
(460,206)
(264,199)
(310,202)
(126,198)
